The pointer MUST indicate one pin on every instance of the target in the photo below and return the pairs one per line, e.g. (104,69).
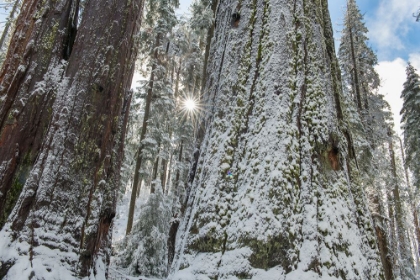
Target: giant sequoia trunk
(273,196)
(65,92)
(28,81)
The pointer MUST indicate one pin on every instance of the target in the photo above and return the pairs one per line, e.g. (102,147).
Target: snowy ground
(117,275)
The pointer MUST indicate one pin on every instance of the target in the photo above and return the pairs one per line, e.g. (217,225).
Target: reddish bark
(74,135)
(24,111)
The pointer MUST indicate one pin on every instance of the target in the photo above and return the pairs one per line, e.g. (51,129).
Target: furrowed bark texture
(28,82)
(272,196)
(62,124)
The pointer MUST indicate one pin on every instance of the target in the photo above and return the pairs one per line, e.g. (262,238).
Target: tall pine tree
(357,59)
(410,122)
(370,124)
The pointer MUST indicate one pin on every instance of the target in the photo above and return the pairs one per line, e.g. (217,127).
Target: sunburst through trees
(191,108)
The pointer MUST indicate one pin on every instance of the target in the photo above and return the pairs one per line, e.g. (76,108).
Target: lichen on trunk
(70,139)
(272,191)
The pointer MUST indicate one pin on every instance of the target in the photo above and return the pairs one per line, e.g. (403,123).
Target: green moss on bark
(18,182)
(268,254)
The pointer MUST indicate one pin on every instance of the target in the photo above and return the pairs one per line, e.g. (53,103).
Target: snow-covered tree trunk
(27,92)
(139,158)
(382,236)
(273,196)
(413,203)
(407,263)
(62,124)
(410,119)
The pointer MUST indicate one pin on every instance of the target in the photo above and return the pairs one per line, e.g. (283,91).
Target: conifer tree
(370,125)
(65,92)
(274,194)
(410,122)
(357,59)
(10,20)
(159,21)
(410,119)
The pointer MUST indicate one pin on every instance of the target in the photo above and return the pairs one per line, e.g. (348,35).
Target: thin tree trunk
(417,228)
(172,240)
(8,24)
(139,189)
(164,174)
(169,173)
(382,239)
(401,229)
(178,72)
(356,84)
(176,184)
(154,176)
(139,159)
(413,202)
(393,235)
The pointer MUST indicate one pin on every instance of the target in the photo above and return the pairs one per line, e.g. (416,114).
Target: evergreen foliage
(272,163)
(410,122)
(281,171)
(145,251)
(171,55)
(357,59)
(370,123)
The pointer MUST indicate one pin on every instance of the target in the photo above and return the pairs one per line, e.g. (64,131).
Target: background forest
(227,140)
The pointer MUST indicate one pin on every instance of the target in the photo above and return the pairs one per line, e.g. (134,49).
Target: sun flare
(190,105)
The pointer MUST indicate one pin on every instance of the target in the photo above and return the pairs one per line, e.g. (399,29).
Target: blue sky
(393,31)
(394,36)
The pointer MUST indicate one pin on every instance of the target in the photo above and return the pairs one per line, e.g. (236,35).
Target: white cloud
(393,76)
(392,21)
(414,58)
